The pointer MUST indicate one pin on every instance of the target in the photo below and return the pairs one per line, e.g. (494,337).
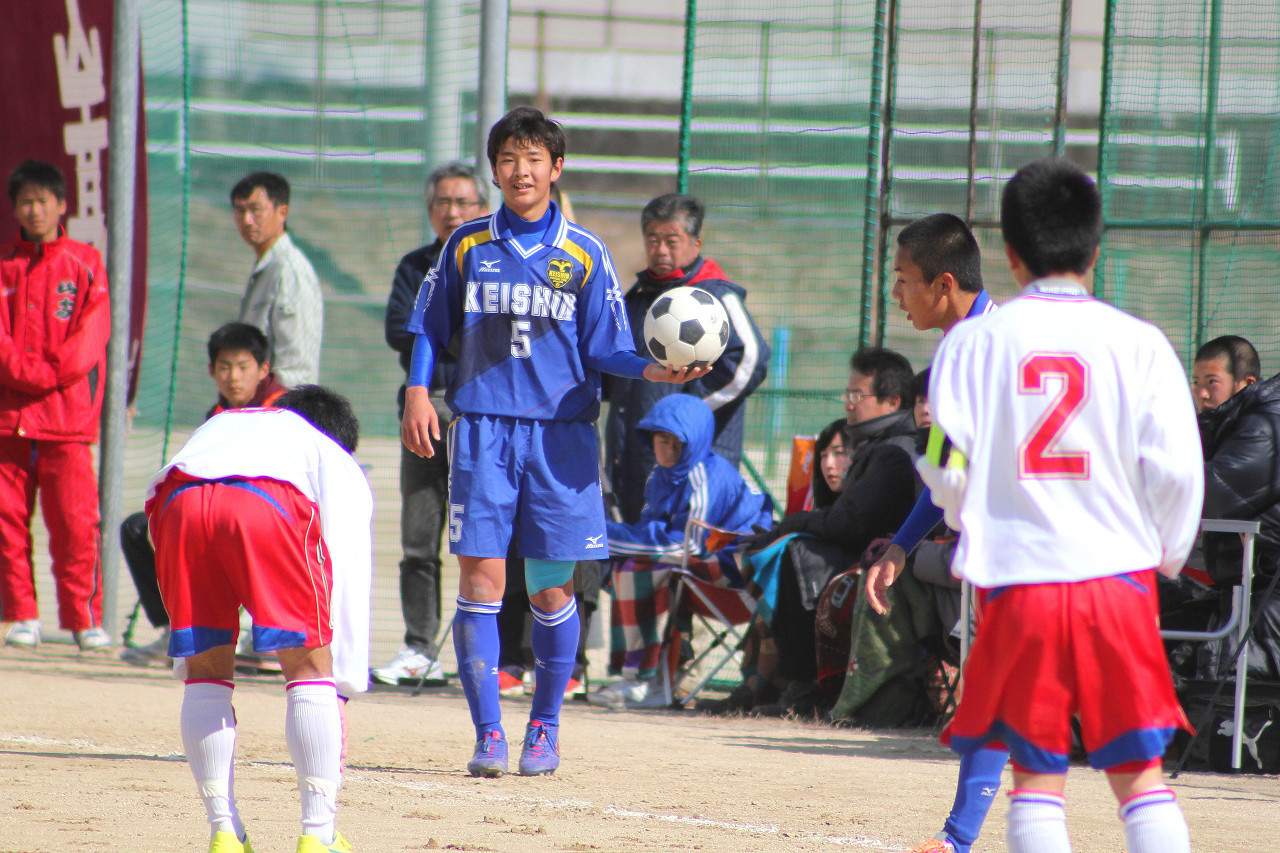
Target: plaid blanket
(641,598)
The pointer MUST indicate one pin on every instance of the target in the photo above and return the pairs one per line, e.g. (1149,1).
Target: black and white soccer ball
(686,327)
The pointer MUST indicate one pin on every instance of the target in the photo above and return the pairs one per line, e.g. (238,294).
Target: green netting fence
(813,130)
(1189,169)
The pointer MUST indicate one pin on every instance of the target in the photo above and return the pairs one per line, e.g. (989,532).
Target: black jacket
(738,372)
(880,487)
(1242,476)
(412,270)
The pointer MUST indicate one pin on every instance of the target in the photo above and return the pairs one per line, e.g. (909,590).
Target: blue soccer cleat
(541,753)
(490,758)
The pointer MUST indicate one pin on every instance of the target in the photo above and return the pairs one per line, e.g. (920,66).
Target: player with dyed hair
(536,308)
(1084,478)
(266,508)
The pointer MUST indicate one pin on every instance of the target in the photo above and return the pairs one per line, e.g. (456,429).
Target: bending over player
(1084,477)
(266,508)
(537,310)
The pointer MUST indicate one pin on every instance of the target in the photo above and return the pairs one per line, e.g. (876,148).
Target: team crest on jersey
(559,271)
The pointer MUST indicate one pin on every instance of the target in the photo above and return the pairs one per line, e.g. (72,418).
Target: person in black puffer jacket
(879,490)
(1242,481)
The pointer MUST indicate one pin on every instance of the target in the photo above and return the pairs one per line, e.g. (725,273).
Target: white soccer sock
(1153,823)
(313,732)
(1037,823)
(208,725)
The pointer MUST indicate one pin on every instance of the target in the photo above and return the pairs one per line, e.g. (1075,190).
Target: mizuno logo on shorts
(594,542)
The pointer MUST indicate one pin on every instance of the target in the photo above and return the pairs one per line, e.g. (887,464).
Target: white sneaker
(157,650)
(92,639)
(410,665)
(629,694)
(24,635)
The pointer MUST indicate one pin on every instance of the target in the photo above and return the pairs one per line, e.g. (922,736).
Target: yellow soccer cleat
(311,844)
(226,842)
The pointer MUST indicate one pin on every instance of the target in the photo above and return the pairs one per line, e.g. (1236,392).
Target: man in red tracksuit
(54,324)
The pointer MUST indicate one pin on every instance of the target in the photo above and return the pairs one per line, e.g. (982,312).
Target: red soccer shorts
(1046,652)
(238,541)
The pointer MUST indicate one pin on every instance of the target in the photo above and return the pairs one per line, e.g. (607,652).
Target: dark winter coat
(1242,476)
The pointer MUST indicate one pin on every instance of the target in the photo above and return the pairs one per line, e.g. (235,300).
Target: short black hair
(1051,215)
(42,174)
(890,371)
(943,243)
(275,186)
(326,410)
(1242,358)
(920,386)
(234,337)
(455,169)
(528,125)
(673,206)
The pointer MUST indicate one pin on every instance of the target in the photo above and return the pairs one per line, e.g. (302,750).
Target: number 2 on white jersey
(1038,456)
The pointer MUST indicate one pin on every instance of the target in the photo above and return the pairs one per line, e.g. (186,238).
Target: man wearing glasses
(453,196)
(879,490)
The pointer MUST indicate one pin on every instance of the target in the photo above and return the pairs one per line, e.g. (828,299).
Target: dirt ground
(91,759)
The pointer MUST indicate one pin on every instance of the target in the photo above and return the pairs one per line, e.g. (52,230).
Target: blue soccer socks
(976,790)
(475,642)
(555,651)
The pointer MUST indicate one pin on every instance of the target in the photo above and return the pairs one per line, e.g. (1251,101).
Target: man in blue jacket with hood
(689,480)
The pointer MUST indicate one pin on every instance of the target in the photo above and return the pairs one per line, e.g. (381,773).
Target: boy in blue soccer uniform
(534,306)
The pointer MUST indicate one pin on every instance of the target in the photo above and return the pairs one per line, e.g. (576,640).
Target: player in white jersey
(1084,477)
(267,508)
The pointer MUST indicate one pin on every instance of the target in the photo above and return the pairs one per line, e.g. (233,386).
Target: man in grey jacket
(283,296)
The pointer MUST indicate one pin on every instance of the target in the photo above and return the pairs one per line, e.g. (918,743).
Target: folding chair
(1238,625)
(714,594)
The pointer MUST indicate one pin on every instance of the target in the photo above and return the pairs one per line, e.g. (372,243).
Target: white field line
(864,842)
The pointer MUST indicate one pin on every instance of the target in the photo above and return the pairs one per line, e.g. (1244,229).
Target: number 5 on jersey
(520,338)
(1038,456)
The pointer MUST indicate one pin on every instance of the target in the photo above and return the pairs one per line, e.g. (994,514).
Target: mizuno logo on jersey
(522,300)
(489,266)
(594,542)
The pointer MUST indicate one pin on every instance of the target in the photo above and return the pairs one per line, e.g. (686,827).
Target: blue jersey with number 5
(532,326)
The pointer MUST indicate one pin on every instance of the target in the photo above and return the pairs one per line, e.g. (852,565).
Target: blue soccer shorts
(536,480)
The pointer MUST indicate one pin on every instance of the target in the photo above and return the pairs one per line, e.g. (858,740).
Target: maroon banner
(55,104)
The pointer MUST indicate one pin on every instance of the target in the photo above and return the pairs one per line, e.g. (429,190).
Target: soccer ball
(686,327)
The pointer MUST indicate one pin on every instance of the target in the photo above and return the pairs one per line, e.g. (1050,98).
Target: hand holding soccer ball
(686,327)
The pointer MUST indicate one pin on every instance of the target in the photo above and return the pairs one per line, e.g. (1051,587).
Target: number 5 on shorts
(455,521)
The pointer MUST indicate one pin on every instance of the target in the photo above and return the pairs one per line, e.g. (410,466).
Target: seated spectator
(880,488)
(760,654)
(239,367)
(1241,436)
(689,480)
(1223,367)
(886,657)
